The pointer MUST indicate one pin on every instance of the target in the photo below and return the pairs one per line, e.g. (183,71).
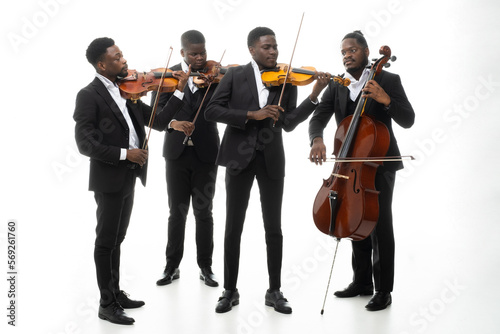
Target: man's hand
(138,156)
(182,77)
(372,89)
(269,111)
(322,80)
(318,151)
(183,126)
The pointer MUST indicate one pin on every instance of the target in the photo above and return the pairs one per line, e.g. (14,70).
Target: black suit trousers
(238,186)
(380,244)
(189,178)
(113,217)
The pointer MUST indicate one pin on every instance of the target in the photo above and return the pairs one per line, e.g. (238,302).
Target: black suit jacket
(334,101)
(233,98)
(205,136)
(101,132)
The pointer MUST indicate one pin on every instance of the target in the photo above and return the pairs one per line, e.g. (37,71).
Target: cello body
(346,205)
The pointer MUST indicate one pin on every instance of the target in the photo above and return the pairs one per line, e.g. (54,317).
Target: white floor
(446,274)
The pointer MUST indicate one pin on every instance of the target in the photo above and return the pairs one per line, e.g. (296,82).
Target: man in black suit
(190,165)
(252,148)
(386,101)
(110,130)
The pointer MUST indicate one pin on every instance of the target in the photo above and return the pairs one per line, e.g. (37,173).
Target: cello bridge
(341,176)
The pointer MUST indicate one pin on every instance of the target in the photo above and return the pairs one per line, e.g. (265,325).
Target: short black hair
(97,49)
(192,37)
(255,34)
(358,36)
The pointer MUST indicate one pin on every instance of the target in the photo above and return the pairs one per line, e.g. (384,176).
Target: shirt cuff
(123,154)
(179,94)
(169,127)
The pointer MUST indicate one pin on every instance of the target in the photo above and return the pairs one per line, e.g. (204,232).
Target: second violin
(297,76)
(138,84)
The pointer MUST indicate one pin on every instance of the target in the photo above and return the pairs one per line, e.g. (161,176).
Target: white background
(445,202)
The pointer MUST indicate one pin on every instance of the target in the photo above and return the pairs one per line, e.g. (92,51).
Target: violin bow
(290,64)
(201,104)
(157,98)
(368,159)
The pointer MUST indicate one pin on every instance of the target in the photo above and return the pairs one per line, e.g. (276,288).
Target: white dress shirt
(122,105)
(262,91)
(356,85)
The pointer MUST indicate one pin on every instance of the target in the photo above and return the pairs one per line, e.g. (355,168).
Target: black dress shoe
(354,290)
(208,276)
(168,276)
(125,302)
(114,313)
(276,299)
(379,301)
(229,299)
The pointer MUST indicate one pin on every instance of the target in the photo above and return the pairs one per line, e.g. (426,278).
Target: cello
(346,205)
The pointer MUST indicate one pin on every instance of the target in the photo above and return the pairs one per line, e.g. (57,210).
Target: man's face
(195,55)
(354,56)
(265,52)
(113,64)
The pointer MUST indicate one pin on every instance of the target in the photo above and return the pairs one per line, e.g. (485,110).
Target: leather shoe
(169,274)
(114,313)
(354,290)
(208,276)
(276,299)
(379,301)
(125,302)
(226,302)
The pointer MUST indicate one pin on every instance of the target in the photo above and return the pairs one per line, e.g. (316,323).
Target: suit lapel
(273,94)
(251,82)
(137,119)
(103,92)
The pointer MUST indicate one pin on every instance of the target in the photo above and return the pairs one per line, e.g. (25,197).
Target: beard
(358,69)
(123,73)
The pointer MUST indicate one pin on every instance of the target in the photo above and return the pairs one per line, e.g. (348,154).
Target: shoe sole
(378,308)
(279,311)
(162,284)
(365,293)
(115,322)
(134,306)
(233,303)
(215,284)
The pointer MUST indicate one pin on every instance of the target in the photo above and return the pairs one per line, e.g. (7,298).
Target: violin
(297,76)
(137,84)
(213,72)
(346,205)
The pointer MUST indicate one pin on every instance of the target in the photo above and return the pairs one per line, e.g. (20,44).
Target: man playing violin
(386,102)
(190,165)
(252,148)
(110,130)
